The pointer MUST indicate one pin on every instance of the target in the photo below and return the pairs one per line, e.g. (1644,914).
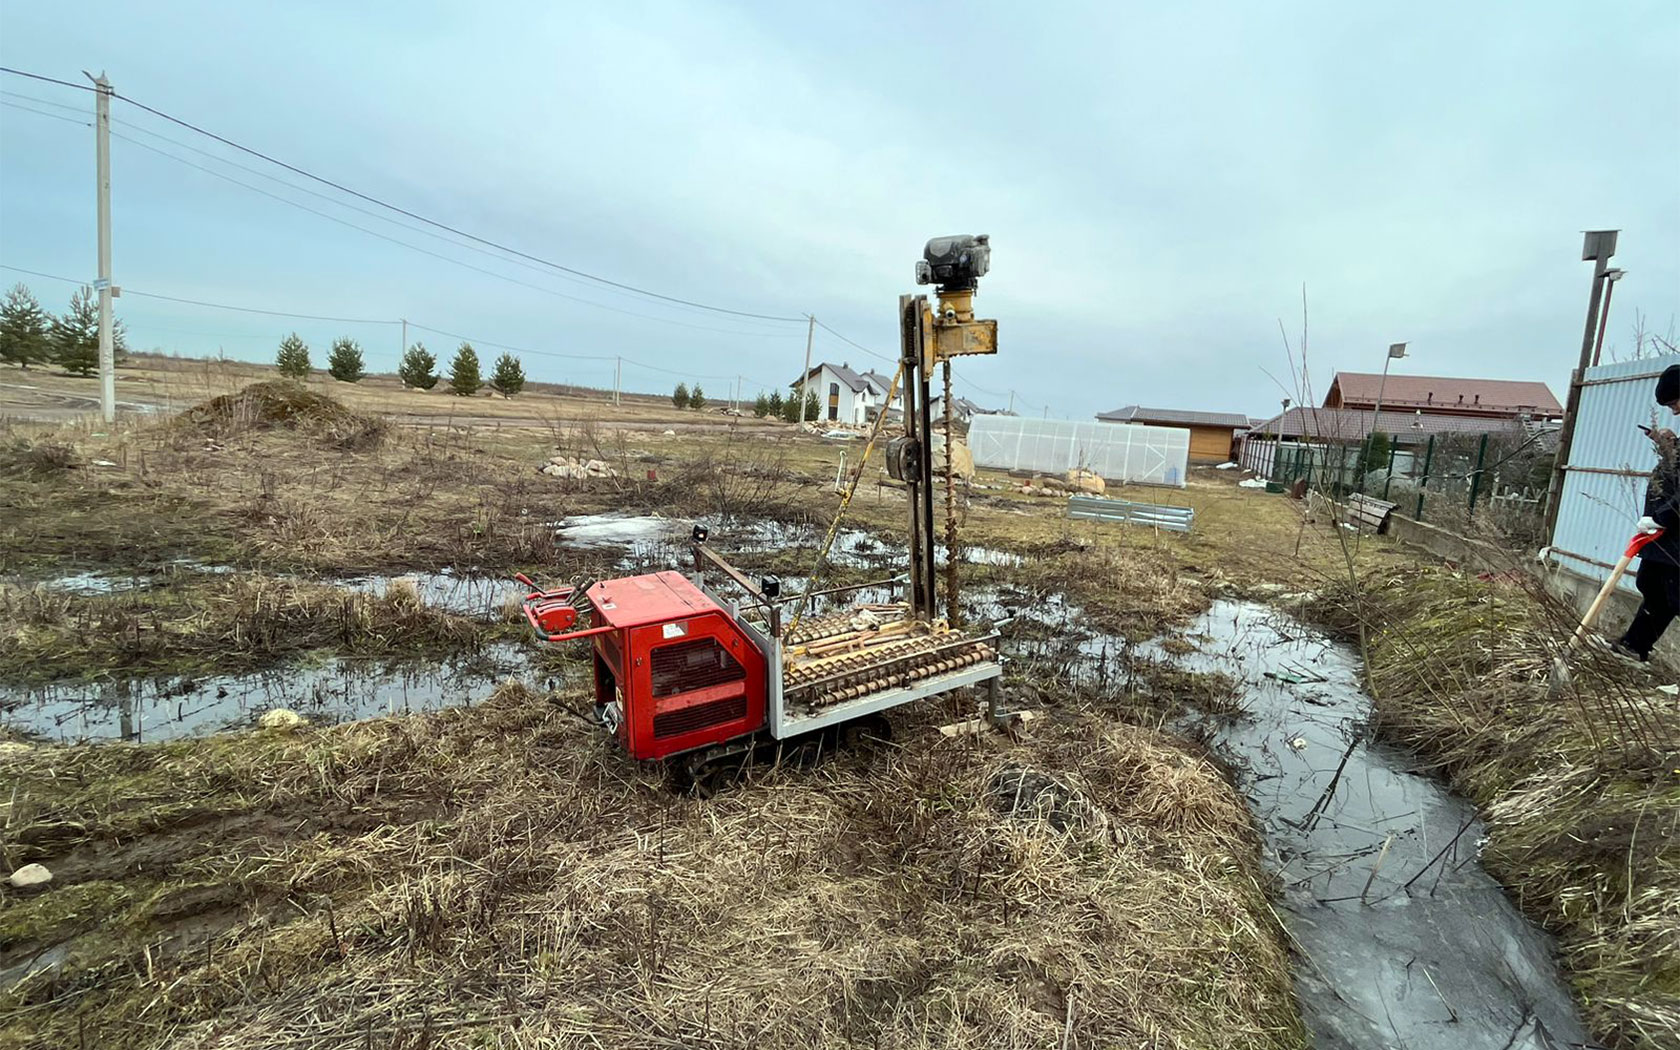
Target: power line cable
(436,255)
(383,321)
(371,213)
(49,80)
(201,302)
(441,225)
(44,102)
(505,346)
(44,113)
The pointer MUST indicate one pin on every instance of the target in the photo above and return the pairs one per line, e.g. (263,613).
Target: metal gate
(1610,462)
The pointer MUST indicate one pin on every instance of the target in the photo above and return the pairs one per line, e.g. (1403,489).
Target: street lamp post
(1395,352)
(1611,276)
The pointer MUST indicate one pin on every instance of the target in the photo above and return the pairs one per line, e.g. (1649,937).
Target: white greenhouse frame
(1122,452)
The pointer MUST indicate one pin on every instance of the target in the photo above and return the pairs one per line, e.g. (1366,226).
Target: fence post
(1476,478)
(1423,484)
(1388,479)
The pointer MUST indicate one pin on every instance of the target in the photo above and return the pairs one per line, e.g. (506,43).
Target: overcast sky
(1159,181)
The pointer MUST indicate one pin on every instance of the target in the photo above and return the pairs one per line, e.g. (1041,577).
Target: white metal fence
(1609,465)
(1125,452)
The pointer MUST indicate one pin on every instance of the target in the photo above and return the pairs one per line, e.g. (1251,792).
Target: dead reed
(500,876)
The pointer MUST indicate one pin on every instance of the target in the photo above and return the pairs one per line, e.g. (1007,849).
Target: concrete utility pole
(810,330)
(1597,247)
(403,349)
(102,158)
(618,373)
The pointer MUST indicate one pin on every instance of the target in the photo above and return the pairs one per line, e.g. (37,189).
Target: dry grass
(500,877)
(217,623)
(1581,792)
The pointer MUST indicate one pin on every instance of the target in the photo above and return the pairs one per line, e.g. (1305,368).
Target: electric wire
(373,214)
(436,255)
(436,224)
(49,80)
(386,321)
(441,225)
(44,113)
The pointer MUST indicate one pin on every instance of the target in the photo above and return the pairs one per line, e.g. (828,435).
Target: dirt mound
(278,403)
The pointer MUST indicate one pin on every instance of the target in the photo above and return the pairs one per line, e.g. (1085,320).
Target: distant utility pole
(618,373)
(1597,247)
(738,393)
(102,158)
(1012,402)
(810,330)
(403,349)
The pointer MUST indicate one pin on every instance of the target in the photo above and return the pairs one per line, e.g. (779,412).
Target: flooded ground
(1406,940)
(168,707)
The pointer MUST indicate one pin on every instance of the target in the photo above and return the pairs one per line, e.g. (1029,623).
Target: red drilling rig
(685,674)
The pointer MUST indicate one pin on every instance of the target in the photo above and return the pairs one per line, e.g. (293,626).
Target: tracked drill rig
(709,679)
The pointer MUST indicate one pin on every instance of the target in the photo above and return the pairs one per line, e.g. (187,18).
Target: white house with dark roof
(845,396)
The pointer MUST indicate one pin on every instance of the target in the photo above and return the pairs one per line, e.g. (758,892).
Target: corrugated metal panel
(1122,452)
(1604,489)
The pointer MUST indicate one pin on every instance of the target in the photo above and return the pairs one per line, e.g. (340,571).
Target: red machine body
(673,672)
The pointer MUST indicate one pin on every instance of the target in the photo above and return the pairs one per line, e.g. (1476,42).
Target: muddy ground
(496,874)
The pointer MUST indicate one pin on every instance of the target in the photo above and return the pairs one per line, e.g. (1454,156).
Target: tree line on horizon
(31,335)
(416,371)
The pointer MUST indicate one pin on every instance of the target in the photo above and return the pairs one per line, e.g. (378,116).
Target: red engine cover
(686,675)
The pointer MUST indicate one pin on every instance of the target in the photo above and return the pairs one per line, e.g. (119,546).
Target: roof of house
(962,404)
(880,383)
(1354,424)
(842,372)
(1447,393)
(1175,416)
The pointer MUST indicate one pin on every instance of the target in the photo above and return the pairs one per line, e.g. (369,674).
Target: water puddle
(1407,941)
(651,542)
(169,707)
(479,597)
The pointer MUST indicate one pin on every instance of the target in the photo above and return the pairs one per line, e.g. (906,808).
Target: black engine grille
(687,719)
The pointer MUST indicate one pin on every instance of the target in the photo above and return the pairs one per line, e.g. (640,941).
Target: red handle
(1641,541)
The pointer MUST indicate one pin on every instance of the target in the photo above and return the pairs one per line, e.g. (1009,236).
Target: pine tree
(418,369)
(775,405)
(344,362)
(811,405)
(679,396)
(761,405)
(24,328)
(790,407)
(75,334)
(697,398)
(464,379)
(292,359)
(509,377)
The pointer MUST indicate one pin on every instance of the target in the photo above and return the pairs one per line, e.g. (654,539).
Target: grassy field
(498,875)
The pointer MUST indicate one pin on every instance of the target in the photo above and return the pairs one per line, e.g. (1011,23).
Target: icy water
(167,707)
(1406,941)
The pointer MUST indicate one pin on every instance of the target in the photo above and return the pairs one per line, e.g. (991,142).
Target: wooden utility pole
(1598,247)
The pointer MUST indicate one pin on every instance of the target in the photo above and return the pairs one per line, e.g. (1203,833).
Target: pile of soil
(282,404)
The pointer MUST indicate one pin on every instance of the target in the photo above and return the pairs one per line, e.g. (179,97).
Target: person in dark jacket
(1659,562)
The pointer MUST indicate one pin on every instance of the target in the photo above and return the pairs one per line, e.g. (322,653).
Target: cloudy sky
(1159,181)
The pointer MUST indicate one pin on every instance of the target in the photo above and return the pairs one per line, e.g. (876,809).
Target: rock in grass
(280,718)
(30,876)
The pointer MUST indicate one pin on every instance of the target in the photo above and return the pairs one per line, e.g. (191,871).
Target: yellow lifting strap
(845,501)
